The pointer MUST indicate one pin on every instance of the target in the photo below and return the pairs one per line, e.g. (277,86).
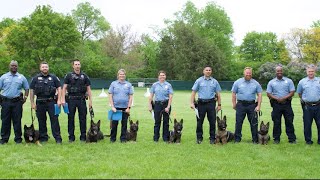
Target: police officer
(45,85)
(280,91)
(244,92)
(120,98)
(207,88)
(163,97)
(77,84)
(12,101)
(309,92)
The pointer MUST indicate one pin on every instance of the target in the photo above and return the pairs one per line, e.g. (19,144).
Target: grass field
(146,159)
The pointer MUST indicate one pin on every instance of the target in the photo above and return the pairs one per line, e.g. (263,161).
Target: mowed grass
(146,159)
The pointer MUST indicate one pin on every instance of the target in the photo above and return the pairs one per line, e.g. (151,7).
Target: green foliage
(263,47)
(44,36)
(185,53)
(89,21)
(296,71)
(311,48)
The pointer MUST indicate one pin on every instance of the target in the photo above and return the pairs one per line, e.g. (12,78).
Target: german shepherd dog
(133,131)
(263,135)
(223,136)
(175,135)
(94,134)
(31,135)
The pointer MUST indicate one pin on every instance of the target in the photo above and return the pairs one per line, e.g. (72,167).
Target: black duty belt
(313,103)
(204,101)
(16,99)
(246,102)
(76,97)
(161,102)
(44,99)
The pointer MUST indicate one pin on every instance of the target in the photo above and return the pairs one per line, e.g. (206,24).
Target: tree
(311,48)
(212,23)
(294,41)
(89,21)
(261,47)
(44,36)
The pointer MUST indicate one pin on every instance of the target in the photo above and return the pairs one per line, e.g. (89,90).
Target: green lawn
(146,159)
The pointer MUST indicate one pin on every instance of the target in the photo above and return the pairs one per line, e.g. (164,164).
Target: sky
(278,16)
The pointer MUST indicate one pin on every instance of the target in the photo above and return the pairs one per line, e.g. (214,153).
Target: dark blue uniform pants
(82,113)
(42,108)
(209,109)
(310,113)
(11,111)
(158,113)
(243,109)
(286,111)
(124,120)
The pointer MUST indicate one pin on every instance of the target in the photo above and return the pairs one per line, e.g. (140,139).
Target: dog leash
(257,115)
(91,113)
(163,111)
(32,117)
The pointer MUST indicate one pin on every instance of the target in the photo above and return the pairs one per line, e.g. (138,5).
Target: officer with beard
(11,84)
(244,92)
(77,85)
(45,85)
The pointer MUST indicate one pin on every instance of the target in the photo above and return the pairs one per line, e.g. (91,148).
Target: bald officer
(280,91)
(244,92)
(207,87)
(163,92)
(11,84)
(309,93)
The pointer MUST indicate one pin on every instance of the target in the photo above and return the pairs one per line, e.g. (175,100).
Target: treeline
(192,39)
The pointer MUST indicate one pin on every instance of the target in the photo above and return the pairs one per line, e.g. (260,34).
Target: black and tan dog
(31,135)
(175,135)
(94,134)
(223,136)
(133,131)
(263,135)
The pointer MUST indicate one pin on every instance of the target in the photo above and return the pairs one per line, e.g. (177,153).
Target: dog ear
(175,120)
(131,122)
(181,121)
(32,126)
(92,122)
(262,123)
(98,124)
(267,124)
(25,127)
(218,119)
(225,118)
(137,122)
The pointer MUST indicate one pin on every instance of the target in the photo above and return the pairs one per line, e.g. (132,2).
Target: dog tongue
(30,138)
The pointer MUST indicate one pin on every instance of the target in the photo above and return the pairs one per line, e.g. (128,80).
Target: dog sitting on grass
(133,131)
(94,134)
(31,135)
(175,135)
(223,136)
(263,135)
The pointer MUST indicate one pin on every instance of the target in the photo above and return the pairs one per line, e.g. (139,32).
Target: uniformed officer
(120,98)
(11,84)
(280,91)
(162,106)
(244,92)
(77,85)
(45,85)
(207,88)
(309,92)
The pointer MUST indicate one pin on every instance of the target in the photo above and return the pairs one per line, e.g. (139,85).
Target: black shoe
(19,142)
(255,142)
(59,141)
(309,142)
(276,142)
(2,142)
(71,141)
(292,142)
(236,141)
(112,141)
(212,141)
(199,141)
